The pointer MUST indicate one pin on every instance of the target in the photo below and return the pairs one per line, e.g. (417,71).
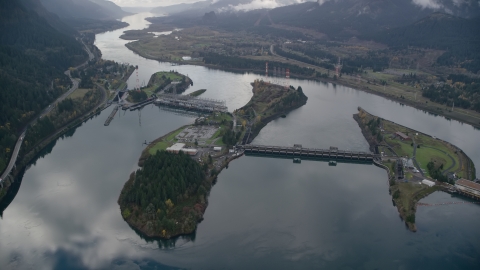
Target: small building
(176,148)
(428,182)
(469,188)
(217,148)
(402,136)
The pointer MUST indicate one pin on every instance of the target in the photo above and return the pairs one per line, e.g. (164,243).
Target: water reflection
(262,213)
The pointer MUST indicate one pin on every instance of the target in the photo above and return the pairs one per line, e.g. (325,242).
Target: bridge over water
(297,151)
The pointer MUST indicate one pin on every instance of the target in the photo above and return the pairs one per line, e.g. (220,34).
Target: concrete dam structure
(308,153)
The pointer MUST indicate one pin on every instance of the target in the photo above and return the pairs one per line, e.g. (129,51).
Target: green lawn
(425,155)
(79,93)
(149,90)
(222,116)
(175,133)
(407,190)
(172,76)
(219,142)
(401,148)
(159,146)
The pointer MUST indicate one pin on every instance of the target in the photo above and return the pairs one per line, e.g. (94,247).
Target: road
(75,83)
(47,110)
(414,158)
(296,62)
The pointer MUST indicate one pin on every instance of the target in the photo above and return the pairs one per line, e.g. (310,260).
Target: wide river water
(263,213)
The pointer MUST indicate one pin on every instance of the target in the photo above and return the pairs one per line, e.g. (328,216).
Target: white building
(176,148)
(428,182)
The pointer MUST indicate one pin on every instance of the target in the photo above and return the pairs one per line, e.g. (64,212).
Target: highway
(75,83)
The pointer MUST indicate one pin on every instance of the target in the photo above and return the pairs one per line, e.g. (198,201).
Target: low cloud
(263,4)
(432,4)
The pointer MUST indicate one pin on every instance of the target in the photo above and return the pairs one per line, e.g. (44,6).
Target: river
(263,213)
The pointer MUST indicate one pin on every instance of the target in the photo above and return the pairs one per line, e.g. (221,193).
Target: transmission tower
(266,71)
(137,85)
(338,67)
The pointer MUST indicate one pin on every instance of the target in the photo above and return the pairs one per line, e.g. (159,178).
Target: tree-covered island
(170,82)
(168,195)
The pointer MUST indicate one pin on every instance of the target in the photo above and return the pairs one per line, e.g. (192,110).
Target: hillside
(347,18)
(33,57)
(458,36)
(339,19)
(90,9)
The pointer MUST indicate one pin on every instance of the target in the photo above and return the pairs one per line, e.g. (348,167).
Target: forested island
(169,82)
(168,195)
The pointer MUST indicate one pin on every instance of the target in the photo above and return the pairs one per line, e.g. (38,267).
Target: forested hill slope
(459,37)
(33,57)
(89,9)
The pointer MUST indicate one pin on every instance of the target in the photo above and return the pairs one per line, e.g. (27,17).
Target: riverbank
(179,212)
(84,100)
(409,157)
(27,157)
(412,97)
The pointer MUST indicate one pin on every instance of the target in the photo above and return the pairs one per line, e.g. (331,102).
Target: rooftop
(402,135)
(467,183)
(176,147)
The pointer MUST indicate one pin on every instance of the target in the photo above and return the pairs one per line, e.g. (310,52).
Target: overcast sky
(150,3)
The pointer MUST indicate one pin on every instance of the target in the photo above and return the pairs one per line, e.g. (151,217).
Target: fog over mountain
(90,9)
(463,8)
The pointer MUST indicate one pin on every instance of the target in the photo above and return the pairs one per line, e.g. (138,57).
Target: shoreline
(472,119)
(407,214)
(25,159)
(221,161)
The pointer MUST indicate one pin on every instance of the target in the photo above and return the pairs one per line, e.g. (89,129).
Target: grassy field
(407,190)
(172,136)
(159,146)
(167,141)
(403,149)
(79,93)
(159,79)
(431,149)
(425,155)
(171,75)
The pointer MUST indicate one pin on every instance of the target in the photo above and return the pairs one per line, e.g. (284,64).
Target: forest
(461,95)
(458,37)
(163,194)
(64,113)
(33,57)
